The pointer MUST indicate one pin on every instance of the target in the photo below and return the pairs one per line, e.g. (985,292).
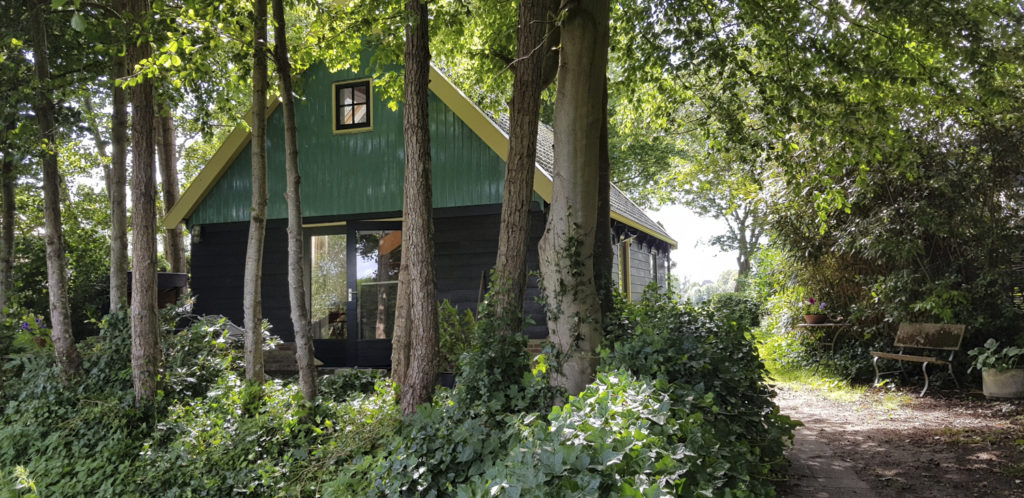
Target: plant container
(815,319)
(1002,384)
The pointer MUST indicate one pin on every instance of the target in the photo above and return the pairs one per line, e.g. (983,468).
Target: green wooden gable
(356,172)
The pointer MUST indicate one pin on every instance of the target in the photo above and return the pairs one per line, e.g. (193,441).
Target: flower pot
(1004,384)
(815,319)
(446,379)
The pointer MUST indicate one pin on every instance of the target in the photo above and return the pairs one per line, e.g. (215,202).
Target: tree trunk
(603,236)
(116,184)
(532,49)
(252,305)
(421,335)
(174,244)
(400,338)
(296,276)
(145,321)
(7,220)
(68,359)
(567,247)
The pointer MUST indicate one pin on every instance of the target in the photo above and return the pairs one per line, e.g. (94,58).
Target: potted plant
(814,311)
(1001,377)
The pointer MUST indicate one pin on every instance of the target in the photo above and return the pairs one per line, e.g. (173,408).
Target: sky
(694,258)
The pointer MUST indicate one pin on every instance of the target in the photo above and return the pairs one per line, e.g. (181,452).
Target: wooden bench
(934,338)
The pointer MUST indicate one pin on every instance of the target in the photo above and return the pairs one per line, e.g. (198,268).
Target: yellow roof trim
(458,102)
(214,169)
(622,219)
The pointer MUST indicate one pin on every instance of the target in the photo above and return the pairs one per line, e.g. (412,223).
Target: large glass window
(351,105)
(380,255)
(328,286)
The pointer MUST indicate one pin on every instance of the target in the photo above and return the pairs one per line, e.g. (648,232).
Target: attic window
(351,105)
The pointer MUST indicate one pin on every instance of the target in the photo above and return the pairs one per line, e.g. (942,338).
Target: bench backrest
(930,335)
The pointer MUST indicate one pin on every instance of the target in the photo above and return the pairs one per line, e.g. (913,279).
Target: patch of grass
(805,379)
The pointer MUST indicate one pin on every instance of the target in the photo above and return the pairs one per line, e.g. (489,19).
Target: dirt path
(954,445)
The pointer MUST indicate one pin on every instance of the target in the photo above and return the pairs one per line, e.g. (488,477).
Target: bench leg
(924,368)
(875,363)
(953,376)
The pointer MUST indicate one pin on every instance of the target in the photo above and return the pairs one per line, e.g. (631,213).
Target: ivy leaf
(78,22)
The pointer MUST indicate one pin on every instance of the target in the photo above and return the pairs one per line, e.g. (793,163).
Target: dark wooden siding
(465,249)
(641,249)
(218,265)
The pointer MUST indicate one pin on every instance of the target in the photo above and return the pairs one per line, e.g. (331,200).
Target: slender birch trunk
(145,321)
(68,359)
(567,247)
(603,235)
(296,276)
(252,303)
(7,220)
(116,183)
(536,21)
(174,243)
(421,334)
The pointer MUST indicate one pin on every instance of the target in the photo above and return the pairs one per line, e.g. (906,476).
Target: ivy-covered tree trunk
(420,323)
(68,359)
(567,247)
(145,321)
(7,220)
(296,276)
(252,305)
(117,182)
(174,243)
(536,22)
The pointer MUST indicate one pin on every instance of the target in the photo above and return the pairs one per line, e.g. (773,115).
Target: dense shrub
(711,368)
(208,433)
(680,407)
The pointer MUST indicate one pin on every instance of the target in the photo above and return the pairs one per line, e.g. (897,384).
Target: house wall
(356,172)
(466,243)
(641,249)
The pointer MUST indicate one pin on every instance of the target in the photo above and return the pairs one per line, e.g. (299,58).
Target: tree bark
(145,321)
(603,236)
(400,337)
(532,50)
(174,244)
(251,301)
(296,276)
(68,359)
(567,247)
(116,184)
(418,231)
(7,220)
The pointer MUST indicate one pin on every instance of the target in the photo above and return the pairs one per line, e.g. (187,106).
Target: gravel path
(947,444)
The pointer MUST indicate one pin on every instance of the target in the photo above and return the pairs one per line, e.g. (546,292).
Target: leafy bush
(710,367)
(345,383)
(207,433)
(736,309)
(679,407)
(464,432)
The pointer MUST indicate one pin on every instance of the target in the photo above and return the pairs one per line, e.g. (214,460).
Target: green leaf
(78,22)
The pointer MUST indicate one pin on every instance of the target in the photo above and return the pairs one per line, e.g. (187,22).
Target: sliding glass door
(353,272)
